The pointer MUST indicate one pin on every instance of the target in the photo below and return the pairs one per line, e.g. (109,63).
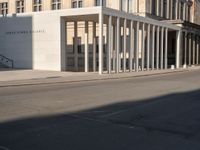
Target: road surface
(146,113)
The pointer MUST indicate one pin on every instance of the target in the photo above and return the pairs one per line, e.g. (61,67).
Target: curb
(90,80)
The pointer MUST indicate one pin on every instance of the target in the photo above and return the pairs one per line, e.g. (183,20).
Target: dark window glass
(74,4)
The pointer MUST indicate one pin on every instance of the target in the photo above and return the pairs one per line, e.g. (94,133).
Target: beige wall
(196,12)
(46,5)
(115,4)
(141,7)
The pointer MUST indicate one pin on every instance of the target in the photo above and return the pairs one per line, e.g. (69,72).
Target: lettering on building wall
(24,32)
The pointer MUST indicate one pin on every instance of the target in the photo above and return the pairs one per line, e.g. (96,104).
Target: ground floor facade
(97,39)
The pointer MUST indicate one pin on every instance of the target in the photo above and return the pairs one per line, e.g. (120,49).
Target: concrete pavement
(33,77)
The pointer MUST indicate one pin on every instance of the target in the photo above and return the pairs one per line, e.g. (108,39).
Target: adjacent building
(108,36)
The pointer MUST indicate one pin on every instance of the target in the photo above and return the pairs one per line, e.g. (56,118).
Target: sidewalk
(33,77)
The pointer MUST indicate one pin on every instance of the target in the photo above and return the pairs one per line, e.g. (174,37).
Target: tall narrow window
(37,5)
(80,4)
(153,7)
(124,4)
(182,7)
(189,13)
(165,8)
(77,3)
(98,2)
(127,6)
(4,8)
(19,6)
(173,10)
(130,6)
(56,4)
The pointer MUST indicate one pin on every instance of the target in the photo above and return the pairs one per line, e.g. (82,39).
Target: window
(124,5)
(37,5)
(79,46)
(182,7)
(56,4)
(80,4)
(74,4)
(98,2)
(77,3)
(4,8)
(19,6)
(189,13)
(165,8)
(130,6)
(153,7)
(174,10)
(127,5)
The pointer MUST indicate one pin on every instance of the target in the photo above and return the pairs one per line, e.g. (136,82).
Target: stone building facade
(108,36)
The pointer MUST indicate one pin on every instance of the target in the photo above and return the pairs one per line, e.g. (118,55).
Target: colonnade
(191,48)
(124,45)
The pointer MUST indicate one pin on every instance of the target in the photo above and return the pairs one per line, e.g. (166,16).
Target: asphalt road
(147,113)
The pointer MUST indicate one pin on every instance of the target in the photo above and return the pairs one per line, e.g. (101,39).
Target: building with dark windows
(105,36)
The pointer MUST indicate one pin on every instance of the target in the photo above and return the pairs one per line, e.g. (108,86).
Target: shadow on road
(170,122)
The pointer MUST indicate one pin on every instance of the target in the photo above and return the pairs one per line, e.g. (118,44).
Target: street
(160,112)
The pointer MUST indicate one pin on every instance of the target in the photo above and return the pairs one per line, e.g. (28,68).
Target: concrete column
(63,44)
(158,47)
(100,43)
(198,42)
(94,46)
(197,51)
(166,48)
(107,46)
(76,45)
(190,49)
(109,43)
(113,37)
(118,44)
(131,47)
(86,48)
(137,47)
(114,30)
(143,45)
(161,48)
(124,46)
(185,58)
(148,46)
(153,47)
(178,48)
(193,53)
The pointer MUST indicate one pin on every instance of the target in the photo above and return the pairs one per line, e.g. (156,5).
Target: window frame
(4,9)
(38,4)
(20,7)
(57,4)
(77,2)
